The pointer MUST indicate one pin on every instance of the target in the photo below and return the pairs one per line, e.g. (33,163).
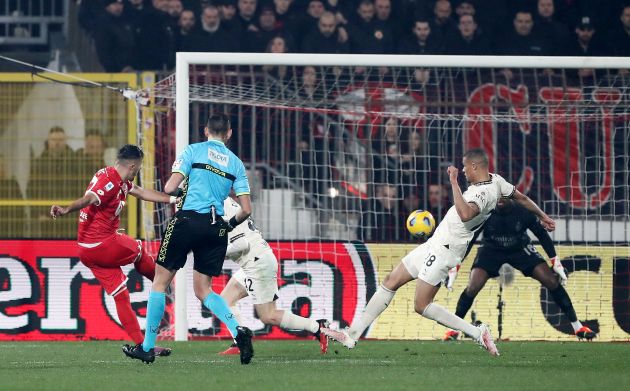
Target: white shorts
(430,264)
(260,278)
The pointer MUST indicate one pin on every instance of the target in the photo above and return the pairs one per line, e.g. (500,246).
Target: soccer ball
(420,224)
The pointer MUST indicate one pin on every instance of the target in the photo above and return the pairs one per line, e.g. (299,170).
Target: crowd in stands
(145,34)
(59,173)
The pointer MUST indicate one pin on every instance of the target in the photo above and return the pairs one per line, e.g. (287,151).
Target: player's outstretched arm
(172,185)
(152,195)
(527,203)
(465,210)
(87,199)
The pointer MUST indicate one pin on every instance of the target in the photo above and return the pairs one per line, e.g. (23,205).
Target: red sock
(128,317)
(145,265)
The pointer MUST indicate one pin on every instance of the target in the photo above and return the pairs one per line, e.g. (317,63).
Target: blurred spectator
(155,37)
(551,30)
(465,7)
(186,37)
(325,38)
(387,146)
(443,26)
(91,158)
(370,35)
(521,41)
(278,44)
(619,37)
(213,37)
(247,14)
(175,8)
(13,218)
(412,161)
(282,8)
(89,13)
(438,201)
(54,176)
(310,86)
(114,39)
(256,41)
(584,42)
(227,12)
(304,24)
(385,15)
(134,11)
(384,222)
(422,41)
(468,41)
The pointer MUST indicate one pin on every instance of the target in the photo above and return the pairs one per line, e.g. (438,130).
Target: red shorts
(106,259)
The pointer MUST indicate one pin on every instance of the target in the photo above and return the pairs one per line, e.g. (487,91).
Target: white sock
(441,315)
(576,325)
(291,321)
(377,304)
(237,315)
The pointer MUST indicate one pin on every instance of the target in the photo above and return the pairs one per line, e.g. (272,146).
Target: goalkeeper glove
(452,275)
(557,267)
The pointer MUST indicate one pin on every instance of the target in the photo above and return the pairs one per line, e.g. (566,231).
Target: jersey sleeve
(184,162)
(102,188)
(478,196)
(241,183)
(506,188)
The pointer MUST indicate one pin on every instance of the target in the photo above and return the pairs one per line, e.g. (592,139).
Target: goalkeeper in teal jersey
(212,171)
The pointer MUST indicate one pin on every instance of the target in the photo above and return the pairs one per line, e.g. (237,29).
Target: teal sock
(220,309)
(155,311)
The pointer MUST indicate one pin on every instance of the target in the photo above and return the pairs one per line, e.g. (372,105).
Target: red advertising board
(46,293)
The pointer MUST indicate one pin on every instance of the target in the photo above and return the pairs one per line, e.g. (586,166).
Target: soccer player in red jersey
(101,247)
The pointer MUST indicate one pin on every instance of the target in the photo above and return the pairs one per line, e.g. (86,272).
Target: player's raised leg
(549,280)
(377,304)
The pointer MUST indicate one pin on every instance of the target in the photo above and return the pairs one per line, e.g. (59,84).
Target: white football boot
(341,336)
(485,340)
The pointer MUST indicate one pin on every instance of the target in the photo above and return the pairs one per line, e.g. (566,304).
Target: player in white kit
(430,262)
(257,278)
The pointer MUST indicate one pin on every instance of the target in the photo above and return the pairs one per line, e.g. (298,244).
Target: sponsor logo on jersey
(109,186)
(218,158)
(177,165)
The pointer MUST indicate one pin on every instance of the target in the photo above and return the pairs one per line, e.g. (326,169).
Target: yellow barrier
(523,316)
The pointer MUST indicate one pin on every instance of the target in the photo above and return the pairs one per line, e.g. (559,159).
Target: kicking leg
(425,306)
(549,280)
(377,304)
(127,316)
(145,265)
(476,282)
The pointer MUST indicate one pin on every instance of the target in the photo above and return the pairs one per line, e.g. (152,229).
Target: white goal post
(185,60)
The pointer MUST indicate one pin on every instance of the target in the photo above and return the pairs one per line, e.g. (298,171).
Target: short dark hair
(130,152)
(56,129)
(218,123)
(477,154)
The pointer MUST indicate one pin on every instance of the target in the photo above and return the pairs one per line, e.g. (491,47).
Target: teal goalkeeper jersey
(212,170)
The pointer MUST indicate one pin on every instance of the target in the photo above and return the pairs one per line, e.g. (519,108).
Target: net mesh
(338,157)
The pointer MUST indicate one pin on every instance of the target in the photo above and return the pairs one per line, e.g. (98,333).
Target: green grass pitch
(298,365)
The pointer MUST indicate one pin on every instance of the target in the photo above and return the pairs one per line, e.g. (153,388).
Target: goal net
(339,150)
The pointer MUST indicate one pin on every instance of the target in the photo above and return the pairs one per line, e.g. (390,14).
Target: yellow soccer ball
(420,224)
